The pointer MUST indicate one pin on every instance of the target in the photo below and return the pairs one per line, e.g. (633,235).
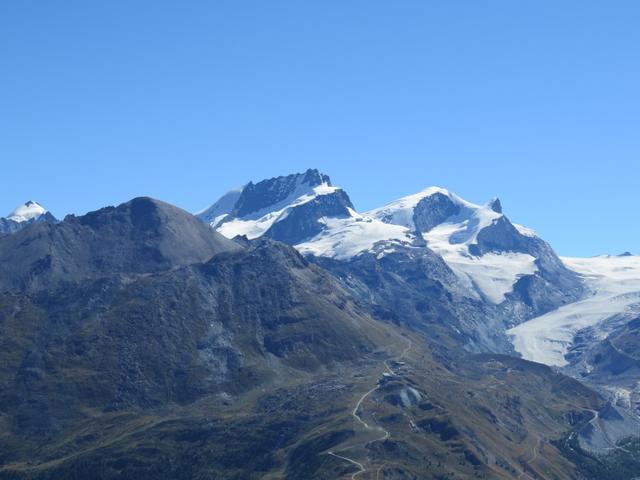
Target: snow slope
(345,238)
(27,211)
(614,289)
(214,214)
(492,275)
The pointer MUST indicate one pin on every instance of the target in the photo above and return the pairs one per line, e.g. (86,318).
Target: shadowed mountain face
(141,236)
(142,306)
(229,324)
(267,193)
(146,292)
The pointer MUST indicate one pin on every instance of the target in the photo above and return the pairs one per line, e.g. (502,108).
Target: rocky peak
(495,205)
(432,210)
(258,196)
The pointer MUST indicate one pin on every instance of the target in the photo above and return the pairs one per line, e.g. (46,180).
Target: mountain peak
(440,202)
(288,208)
(143,235)
(27,211)
(495,205)
(272,191)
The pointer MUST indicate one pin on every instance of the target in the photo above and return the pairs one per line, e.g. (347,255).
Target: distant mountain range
(280,333)
(495,279)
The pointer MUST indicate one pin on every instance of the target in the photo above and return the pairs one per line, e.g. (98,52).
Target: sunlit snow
(347,237)
(614,284)
(492,275)
(26,212)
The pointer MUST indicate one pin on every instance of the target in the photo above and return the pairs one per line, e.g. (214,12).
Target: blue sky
(536,102)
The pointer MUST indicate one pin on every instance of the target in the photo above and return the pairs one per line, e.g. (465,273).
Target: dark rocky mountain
(141,236)
(135,342)
(414,287)
(267,193)
(141,306)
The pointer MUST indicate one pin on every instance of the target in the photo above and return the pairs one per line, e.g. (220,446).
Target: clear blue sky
(537,102)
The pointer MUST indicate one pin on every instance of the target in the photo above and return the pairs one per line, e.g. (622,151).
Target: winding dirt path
(385,433)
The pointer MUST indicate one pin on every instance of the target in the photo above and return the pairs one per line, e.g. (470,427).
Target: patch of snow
(614,289)
(527,232)
(492,275)
(409,396)
(345,238)
(27,211)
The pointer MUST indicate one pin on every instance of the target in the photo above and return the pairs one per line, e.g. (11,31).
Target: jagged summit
(479,244)
(432,206)
(495,205)
(256,197)
(287,208)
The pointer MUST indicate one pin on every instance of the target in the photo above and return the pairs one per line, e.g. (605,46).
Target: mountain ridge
(488,277)
(149,346)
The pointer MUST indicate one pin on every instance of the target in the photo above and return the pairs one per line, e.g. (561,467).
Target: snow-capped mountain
(288,209)
(488,254)
(489,273)
(491,257)
(23,215)
(460,271)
